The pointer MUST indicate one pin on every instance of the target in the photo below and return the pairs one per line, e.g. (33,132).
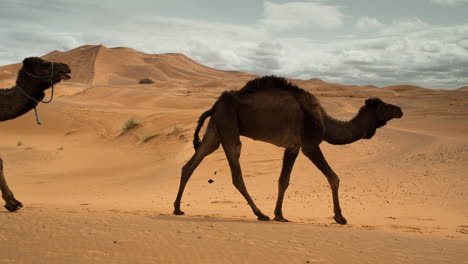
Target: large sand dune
(94,194)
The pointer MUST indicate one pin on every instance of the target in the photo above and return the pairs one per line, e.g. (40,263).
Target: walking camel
(34,78)
(273,110)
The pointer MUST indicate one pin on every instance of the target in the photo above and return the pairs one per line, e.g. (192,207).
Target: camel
(273,110)
(34,78)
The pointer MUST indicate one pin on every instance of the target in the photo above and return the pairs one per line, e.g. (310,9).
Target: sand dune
(96,194)
(99,65)
(464,88)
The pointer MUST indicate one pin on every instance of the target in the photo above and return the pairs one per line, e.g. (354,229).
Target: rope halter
(49,79)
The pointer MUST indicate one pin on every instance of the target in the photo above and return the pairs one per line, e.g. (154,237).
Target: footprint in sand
(97,253)
(408,228)
(425,219)
(463,229)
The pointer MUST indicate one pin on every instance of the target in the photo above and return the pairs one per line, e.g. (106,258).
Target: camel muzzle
(64,74)
(399,113)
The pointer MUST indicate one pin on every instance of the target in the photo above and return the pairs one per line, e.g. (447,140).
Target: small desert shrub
(147,138)
(176,130)
(20,143)
(129,124)
(146,81)
(60,148)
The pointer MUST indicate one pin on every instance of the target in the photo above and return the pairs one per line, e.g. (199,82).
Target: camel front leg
(315,155)
(10,202)
(289,158)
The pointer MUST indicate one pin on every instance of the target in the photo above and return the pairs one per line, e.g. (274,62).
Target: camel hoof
(14,206)
(178,212)
(340,220)
(263,218)
(281,219)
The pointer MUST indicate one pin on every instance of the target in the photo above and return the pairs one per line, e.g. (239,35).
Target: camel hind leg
(315,155)
(209,144)
(10,202)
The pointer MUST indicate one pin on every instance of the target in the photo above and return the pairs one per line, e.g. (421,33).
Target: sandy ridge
(86,184)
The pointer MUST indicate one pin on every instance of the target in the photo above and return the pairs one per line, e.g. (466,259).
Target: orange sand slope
(96,194)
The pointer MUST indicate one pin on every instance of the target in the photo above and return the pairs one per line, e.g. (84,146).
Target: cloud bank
(300,14)
(409,50)
(448,2)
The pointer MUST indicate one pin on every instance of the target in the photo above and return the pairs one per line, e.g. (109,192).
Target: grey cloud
(368,24)
(405,51)
(264,57)
(284,16)
(448,2)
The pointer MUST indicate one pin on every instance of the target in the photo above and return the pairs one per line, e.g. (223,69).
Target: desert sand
(96,194)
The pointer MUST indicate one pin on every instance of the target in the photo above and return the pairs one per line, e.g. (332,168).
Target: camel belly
(274,119)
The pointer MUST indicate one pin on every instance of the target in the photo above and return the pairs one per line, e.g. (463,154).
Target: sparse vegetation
(176,130)
(183,138)
(60,148)
(146,81)
(147,138)
(20,143)
(129,124)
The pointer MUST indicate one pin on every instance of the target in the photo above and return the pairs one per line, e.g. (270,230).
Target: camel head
(382,111)
(45,71)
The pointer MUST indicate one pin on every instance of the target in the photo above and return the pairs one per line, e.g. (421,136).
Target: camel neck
(14,104)
(344,132)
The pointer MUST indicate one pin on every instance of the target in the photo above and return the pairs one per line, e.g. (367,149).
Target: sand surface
(95,194)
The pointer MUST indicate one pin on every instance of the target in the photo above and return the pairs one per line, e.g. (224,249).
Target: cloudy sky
(381,42)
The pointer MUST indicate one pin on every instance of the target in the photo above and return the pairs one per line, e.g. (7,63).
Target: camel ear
(30,62)
(373,101)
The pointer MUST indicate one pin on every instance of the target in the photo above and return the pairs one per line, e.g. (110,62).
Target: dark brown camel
(34,78)
(272,110)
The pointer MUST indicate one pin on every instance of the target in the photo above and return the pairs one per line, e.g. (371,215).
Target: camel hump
(270,83)
(273,83)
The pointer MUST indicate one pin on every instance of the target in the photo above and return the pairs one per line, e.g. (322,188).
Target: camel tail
(201,120)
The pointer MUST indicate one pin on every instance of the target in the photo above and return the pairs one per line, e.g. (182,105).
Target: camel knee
(233,150)
(283,182)
(334,181)
(186,172)
(186,167)
(237,182)
(237,150)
